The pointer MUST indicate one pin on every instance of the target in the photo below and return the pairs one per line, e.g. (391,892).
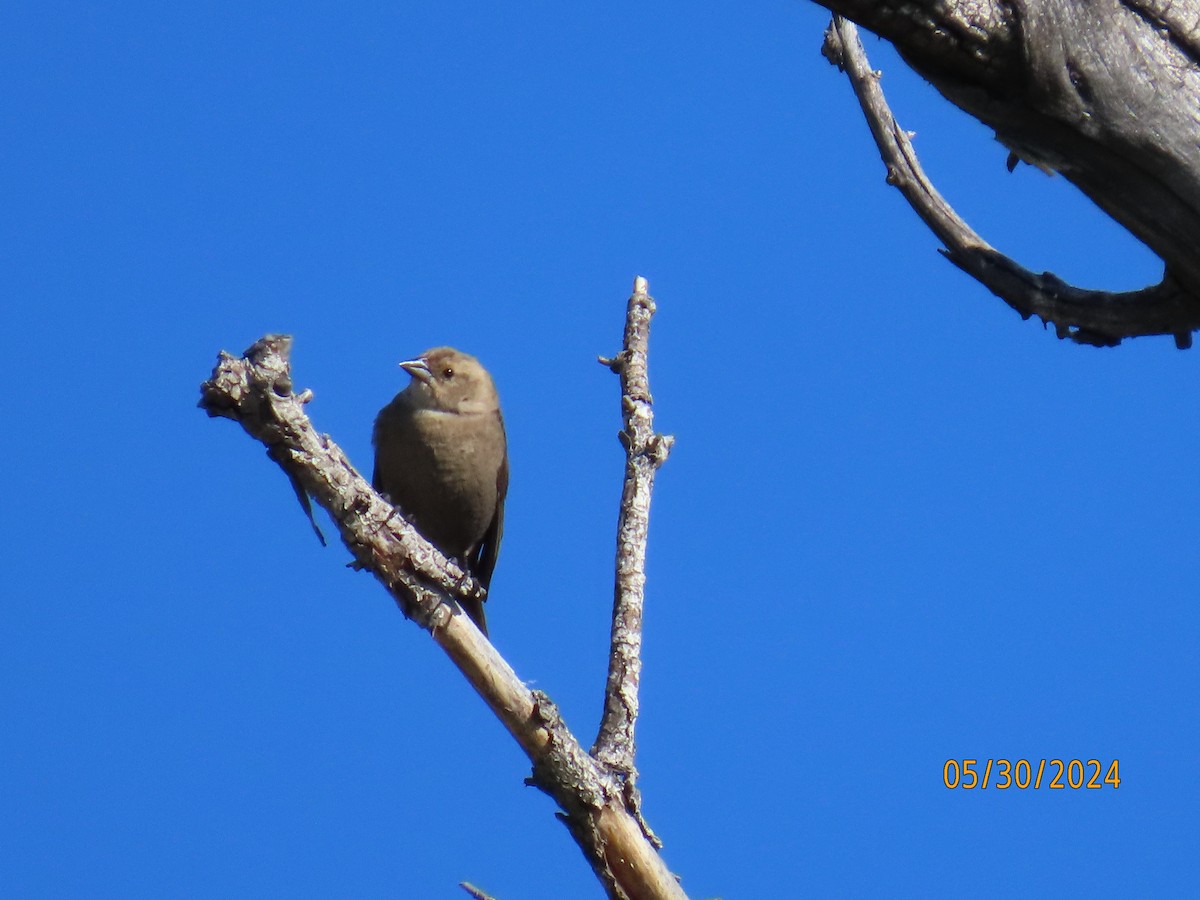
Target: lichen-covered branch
(645,451)
(256,391)
(1099,318)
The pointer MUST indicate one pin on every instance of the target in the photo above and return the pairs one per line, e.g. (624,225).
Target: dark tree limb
(645,451)
(1090,317)
(256,391)
(1104,92)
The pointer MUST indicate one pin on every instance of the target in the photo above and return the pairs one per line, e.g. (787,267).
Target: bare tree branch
(256,391)
(645,451)
(1104,92)
(1099,318)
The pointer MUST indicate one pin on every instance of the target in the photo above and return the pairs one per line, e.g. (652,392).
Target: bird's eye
(447,372)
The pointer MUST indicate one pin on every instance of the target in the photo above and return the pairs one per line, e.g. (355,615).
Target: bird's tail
(474,609)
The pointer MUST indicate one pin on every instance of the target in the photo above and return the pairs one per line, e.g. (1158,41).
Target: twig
(474,891)
(645,451)
(1099,318)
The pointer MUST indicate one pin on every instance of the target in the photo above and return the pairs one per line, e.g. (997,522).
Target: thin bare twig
(645,451)
(1099,318)
(474,891)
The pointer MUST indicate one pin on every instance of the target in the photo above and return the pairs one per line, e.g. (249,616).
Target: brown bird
(441,457)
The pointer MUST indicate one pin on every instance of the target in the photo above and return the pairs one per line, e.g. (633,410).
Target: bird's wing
(484,561)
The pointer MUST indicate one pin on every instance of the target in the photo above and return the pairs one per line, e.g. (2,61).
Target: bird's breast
(441,468)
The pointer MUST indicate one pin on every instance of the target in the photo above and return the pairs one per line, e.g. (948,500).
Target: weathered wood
(1106,92)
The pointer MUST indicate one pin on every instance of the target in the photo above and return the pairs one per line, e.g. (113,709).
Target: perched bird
(441,457)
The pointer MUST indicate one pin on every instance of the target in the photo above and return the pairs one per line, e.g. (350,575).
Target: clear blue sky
(900,525)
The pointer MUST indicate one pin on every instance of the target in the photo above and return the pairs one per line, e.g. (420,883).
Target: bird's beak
(417,368)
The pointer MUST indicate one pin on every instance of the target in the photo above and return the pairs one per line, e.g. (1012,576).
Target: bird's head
(447,380)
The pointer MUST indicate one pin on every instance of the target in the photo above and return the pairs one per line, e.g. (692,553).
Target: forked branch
(256,391)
